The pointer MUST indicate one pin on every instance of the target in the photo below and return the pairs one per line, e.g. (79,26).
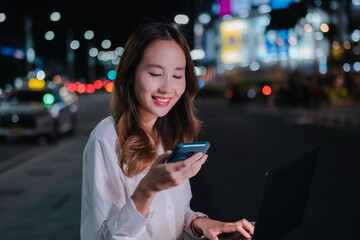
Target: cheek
(142,86)
(180,88)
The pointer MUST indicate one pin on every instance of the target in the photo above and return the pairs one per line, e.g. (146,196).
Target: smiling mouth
(161,100)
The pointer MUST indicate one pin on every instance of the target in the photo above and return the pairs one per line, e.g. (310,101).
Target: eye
(155,75)
(177,77)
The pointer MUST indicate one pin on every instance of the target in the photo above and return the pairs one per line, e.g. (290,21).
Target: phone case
(183,151)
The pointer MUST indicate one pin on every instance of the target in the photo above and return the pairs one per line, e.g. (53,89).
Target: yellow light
(231,36)
(35,83)
(324,27)
(109,87)
(337,51)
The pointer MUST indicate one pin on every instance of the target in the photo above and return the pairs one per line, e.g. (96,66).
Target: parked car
(38,113)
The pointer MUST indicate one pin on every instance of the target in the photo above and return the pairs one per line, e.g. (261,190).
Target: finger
(195,161)
(202,160)
(191,170)
(243,232)
(187,162)
(194,158)
(247,225)
(195,167)
(229,227)
(212,236)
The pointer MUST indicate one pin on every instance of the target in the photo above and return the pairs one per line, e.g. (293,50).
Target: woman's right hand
(165,176)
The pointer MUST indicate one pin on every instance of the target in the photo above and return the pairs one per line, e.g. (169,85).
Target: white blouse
(107,209)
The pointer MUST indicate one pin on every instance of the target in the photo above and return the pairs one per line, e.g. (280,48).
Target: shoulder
(104,130)
(102,149)
(103,137)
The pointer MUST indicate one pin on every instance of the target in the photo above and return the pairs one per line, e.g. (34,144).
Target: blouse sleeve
(106,211)
(190,216)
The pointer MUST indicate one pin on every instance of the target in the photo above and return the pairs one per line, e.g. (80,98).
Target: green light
(48,99)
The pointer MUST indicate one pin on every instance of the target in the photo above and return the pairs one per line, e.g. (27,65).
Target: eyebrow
(159,66)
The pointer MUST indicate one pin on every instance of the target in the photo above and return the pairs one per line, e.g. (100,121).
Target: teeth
(162,100)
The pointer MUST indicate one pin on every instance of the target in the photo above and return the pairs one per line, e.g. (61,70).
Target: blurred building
(275,37)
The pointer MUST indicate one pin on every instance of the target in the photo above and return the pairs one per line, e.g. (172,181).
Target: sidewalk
(338,115)
(41,200)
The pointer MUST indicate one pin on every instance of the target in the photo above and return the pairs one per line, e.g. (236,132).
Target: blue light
(12,52)
(7,51)
(112,74)
(201,83)
(281,4)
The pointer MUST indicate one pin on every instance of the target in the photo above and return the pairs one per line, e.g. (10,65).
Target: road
(40,194)
(15,152)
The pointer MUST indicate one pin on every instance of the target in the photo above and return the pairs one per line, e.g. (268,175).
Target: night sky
(114,20)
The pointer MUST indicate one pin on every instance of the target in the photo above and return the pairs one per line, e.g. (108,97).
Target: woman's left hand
(212,228)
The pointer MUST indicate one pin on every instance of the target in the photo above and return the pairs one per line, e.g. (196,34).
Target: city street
(277,78)
(40,185)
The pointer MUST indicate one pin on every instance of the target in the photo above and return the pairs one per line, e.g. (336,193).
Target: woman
(128,191)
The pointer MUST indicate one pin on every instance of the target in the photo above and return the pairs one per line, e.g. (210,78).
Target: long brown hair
(138,145)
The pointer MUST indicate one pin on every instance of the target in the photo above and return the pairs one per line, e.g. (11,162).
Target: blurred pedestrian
(128,191)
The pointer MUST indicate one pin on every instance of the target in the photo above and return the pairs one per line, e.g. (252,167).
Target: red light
(90,88)
(81,88)
(71,87)
(98,84)
(106,82)
(266,90)
(229,93)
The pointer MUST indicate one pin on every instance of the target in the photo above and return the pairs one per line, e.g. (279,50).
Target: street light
(93,52)
(49,35)
(74,44)
(204,18)
(181,19)
(55,16)
(89,34)
(106,44)
(2,17)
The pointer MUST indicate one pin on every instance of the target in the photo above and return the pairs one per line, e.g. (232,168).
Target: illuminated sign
(225,7)
(231,36)
(280,4)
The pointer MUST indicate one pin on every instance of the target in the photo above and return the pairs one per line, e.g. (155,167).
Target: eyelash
(155,75)
(158,75)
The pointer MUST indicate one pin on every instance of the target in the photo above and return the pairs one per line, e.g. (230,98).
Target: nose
(166,85)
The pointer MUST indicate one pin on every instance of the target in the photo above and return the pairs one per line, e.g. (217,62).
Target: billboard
(231,41)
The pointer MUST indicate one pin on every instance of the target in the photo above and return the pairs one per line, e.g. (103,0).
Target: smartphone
(183,151)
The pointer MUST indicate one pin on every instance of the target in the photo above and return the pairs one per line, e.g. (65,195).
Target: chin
(162,113)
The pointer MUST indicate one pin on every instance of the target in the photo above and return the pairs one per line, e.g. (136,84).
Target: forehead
(164,52)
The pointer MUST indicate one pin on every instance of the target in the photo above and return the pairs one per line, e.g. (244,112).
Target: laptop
(284,198)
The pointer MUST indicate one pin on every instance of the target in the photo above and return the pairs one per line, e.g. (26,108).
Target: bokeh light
(266,90)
